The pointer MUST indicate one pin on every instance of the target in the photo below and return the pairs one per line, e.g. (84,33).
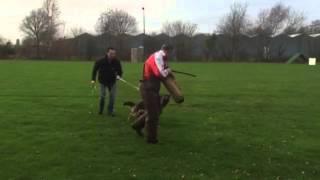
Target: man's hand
(93,84)
(118,77)
(170,73)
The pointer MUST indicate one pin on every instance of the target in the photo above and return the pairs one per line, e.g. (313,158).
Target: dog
(139,113)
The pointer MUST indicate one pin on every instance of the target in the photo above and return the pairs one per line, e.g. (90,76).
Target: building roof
(294,35)
(315,35)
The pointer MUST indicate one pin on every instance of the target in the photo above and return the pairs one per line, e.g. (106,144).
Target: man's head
(166,48)
(111,53)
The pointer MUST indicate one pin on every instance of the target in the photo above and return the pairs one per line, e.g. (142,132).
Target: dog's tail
(129,103)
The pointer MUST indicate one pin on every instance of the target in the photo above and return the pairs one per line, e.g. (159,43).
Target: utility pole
(144,21)
(144,32)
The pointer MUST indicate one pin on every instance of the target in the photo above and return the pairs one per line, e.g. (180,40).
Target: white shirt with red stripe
(156,66)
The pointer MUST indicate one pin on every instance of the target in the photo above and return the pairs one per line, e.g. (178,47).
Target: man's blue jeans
(112,97)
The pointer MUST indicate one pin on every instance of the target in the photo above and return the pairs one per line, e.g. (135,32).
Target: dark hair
(166,47)
(110,48)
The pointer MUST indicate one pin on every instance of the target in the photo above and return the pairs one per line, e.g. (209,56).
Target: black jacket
(108,71)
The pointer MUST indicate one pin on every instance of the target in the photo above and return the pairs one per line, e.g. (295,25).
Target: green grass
(239,121)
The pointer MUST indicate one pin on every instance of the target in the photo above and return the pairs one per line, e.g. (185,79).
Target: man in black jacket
(109,70)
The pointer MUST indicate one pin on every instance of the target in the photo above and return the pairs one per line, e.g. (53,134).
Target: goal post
(137,54)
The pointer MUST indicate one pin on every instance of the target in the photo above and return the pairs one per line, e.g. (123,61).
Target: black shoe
(112,114)
(138,131)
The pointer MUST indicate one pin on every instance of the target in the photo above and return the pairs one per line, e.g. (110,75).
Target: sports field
(239,121)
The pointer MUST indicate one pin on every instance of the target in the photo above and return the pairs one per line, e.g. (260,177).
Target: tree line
(277,20)
(42,28)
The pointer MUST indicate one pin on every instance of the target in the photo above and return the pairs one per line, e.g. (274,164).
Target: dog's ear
(129,103)
(140,105)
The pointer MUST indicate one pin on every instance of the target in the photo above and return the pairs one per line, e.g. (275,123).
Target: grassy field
(239,121)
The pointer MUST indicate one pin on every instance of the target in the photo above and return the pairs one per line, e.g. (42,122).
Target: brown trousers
(151,99)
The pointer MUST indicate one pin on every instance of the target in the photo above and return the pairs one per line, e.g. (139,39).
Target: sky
(84,13)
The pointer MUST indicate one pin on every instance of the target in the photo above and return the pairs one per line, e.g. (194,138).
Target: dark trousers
(151,99)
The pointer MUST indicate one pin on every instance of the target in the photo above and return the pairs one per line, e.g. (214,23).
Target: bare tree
(42,25)
(76,31)
(182,33)
(233,25)
(278,20)
(312,28)
(315,26)
(50,7)
(271,21)
(295,22)
(116,22)
(235,22)
(35,26)
(179,27)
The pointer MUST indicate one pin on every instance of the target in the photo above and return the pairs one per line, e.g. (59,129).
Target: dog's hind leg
(139,123)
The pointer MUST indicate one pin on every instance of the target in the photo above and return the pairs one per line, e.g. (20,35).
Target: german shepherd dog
(139,113)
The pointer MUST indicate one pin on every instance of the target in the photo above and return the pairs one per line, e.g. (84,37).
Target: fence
(200,47)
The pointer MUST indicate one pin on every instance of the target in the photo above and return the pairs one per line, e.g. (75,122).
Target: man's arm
(164,71)
(119,69)
(95,71)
